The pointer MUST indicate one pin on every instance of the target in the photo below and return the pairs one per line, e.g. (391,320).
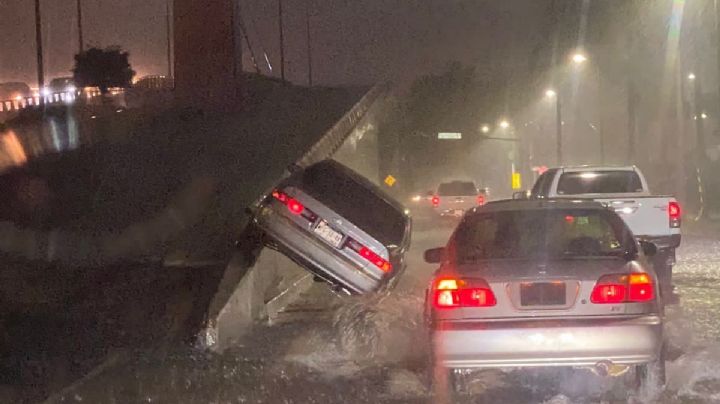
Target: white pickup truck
(652,218)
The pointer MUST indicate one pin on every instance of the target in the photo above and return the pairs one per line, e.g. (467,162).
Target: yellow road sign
(390,180)
(516,181)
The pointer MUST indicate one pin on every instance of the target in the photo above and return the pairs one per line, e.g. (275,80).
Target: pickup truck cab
(651,218)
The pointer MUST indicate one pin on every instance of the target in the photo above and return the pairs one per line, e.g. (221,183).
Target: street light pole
(168,33)
(39,49)
(81,43)
(698,116)
(309,43)
(558,135)
(282,40)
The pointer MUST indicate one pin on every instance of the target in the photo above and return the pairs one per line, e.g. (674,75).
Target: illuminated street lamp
(550,93)
(485,129)
(691,76)
(504,124)
(578,58)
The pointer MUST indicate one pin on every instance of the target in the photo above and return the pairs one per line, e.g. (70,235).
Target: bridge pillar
(208,54)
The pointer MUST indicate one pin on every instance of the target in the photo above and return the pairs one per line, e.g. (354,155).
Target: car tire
(663,270)
(650,377)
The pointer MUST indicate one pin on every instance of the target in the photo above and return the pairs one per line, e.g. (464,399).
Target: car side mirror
(648,248)
(435,255)
(520,195)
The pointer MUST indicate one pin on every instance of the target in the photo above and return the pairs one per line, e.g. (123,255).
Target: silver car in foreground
(337,225)
(545,283)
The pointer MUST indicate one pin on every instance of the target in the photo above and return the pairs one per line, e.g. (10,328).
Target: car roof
(544,204)
(598,168)
(458,182)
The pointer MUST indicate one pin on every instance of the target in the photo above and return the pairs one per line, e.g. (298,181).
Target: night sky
(354,41)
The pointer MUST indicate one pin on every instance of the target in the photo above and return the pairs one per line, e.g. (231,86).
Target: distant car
(541,284)
(456,197)
(339,226)
(62,85)
(14,91)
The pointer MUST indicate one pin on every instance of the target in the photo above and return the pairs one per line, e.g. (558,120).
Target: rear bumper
(538,343)
(662,242)
(317,256)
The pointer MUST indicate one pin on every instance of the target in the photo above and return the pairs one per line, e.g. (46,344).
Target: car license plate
(326,232)
(542,294)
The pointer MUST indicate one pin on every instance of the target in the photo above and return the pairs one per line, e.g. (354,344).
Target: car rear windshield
(550,233)
(457,189)
(599,182)
(356,202)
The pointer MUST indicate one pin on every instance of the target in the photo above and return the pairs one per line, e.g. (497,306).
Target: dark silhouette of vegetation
(103,68)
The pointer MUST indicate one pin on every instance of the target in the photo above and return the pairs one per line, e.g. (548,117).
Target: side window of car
(539,185)
(545,186)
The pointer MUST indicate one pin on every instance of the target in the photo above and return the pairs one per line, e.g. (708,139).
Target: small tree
(103,68)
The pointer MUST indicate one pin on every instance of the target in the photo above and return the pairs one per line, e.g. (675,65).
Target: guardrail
(336,136)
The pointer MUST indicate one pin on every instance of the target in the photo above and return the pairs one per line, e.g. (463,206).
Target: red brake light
(623,288)
(641,288)
(436,201)
(450,293)
(369,255)
(674,214)
(480,200)
(295,206)
(280,196)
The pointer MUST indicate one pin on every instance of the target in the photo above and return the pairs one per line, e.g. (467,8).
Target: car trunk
(554,288)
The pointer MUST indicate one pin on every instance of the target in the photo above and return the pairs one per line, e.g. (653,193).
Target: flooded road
(326,349)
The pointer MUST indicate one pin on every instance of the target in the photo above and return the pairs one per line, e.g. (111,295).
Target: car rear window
(355,201)
(599,182)
(533,234)
(457,189)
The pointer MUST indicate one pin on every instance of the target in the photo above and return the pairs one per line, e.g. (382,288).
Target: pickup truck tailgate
(646,216)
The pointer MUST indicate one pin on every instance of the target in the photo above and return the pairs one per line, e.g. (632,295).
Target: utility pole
(717,40)
(282,40)
(699,114)
(81,43)
(309,43)
(243,30)
(168,29)
(39,49)
(558,130)
(632,120)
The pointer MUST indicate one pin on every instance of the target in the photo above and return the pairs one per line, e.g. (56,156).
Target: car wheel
(651,377)
(664,273)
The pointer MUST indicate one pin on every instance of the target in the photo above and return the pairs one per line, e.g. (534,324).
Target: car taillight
(623,288)
(294,206)
(480,200)
(435,201)
(674,214)
(369,255)
(450,293)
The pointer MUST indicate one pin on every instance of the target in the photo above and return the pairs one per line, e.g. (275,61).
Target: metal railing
(336,136)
